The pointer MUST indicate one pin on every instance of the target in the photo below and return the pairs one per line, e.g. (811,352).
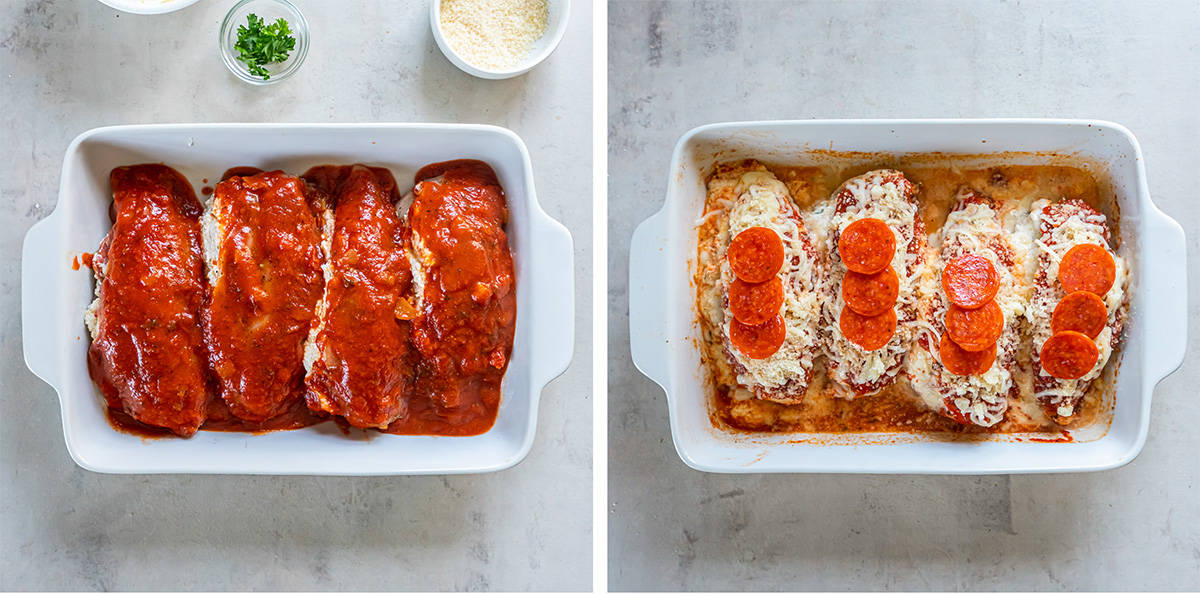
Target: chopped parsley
(259,44)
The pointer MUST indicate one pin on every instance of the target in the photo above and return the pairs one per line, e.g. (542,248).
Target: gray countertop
(70,65)
(676,65)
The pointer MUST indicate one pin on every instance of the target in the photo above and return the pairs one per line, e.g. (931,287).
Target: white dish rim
(133,7)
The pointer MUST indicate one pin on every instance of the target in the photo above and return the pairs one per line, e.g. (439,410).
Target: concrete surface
(70,65)
(675,65)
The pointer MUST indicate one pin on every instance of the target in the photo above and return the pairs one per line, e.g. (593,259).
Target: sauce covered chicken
(148,353)
(360,366)
(264,261)
(291,301)
(463,303)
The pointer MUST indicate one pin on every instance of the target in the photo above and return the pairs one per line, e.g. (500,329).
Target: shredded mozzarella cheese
(972,228)
(1078,227)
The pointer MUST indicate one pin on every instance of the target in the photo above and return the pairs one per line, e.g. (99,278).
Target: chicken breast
(973,228)
(758,200)
(881,195)
(358,355)
(464,299)
(147,354)
(263,249)
(1063,226)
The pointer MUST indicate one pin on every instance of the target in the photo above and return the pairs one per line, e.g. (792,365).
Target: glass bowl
(268,11)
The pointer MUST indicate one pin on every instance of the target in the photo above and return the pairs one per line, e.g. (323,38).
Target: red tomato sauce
(468,308)
(149,356)
(259,311)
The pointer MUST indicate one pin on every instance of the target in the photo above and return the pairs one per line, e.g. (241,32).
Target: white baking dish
(662,317)
(54,296)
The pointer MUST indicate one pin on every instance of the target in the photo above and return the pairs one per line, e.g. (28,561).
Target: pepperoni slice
(1087,267)
(755,303)
(867,246)
(1069,355)
(1081,311)
(758,342)
(975,329)
(868,332)
(960,361)
(871,294)
(756,254)
(970,281)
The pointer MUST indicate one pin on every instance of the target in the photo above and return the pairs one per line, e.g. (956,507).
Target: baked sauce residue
(240,171)
(83,260)
(896,409)
(465,331)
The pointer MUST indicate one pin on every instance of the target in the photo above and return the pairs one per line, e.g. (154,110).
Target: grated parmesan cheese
(493,34)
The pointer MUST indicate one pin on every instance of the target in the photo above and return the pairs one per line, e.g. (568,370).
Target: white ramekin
(555,27)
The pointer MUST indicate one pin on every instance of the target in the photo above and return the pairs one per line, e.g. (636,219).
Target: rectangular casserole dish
(664,330)
(54,296)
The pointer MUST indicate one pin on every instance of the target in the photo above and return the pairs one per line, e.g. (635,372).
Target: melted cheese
(91,316)
(740,407)
(974,229)
(310,343)
(211,232)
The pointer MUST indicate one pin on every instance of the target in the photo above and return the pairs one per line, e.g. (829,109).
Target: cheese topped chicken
(965,358)
(767,287)
(869,301)
(1078,306)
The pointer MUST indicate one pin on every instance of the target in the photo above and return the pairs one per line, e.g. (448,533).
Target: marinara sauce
(467,307)
(148,356)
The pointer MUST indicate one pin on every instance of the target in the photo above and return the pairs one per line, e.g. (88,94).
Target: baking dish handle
(648,298)
(40,257)
(1165,278)
(554,280)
